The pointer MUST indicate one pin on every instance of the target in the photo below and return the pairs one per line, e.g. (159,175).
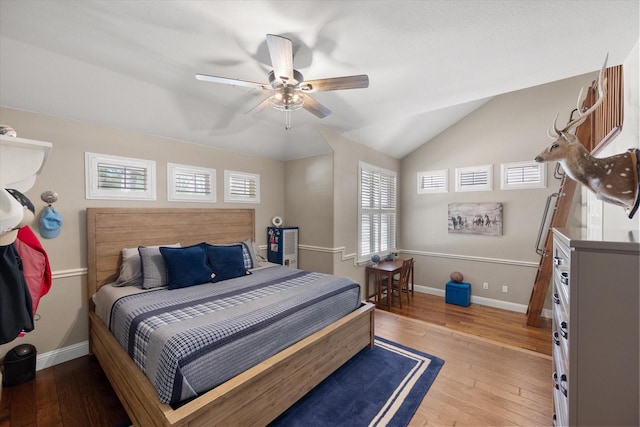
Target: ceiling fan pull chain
(287,119)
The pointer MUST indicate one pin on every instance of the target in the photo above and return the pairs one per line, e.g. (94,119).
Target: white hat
(13,214)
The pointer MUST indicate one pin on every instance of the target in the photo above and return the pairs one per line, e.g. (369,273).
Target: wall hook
(49,197)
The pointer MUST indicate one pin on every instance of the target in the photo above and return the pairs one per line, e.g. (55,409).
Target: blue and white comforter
(190,340)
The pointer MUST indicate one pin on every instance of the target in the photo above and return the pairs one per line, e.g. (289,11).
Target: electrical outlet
(505,288)
(485,285)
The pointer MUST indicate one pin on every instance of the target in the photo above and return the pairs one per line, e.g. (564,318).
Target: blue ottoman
(458,293)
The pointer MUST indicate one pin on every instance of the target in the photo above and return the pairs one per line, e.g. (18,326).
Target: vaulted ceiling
(131,64)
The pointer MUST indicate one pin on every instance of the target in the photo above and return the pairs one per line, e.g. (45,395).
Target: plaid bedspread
(190,340)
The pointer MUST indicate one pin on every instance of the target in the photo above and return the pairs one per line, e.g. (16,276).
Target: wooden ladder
(602,126)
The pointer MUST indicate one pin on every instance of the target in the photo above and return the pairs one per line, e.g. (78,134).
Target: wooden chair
(401,284)
(409,279)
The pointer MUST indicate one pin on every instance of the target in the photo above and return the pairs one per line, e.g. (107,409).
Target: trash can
(19,365)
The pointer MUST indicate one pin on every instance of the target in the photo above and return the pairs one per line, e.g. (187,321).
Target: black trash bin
(19,365)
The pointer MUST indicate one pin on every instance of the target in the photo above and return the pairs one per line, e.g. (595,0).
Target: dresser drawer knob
(564,329)
(556,298)
(555,380)
(557,260)
(563,384)
(556,338)
(564,278)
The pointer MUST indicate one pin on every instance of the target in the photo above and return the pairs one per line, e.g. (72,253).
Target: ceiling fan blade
(234,82)
(281,52)
(336,83)
(315,107)
(259,107)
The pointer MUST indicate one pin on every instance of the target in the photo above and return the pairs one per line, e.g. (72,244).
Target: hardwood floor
(497,372)
(74,393)
(504,326)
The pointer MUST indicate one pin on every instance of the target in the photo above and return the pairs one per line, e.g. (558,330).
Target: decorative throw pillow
(254,252)
(226,261)
(186,266)
(153,270)
(246,253)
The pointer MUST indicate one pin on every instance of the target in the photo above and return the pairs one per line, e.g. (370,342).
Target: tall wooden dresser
(596,334)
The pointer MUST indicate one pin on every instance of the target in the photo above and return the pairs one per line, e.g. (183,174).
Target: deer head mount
(613,179)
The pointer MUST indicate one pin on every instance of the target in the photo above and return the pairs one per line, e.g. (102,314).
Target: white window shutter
(475,178)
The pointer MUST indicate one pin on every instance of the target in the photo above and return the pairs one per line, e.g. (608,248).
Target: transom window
(522,175)
(436,181)
(190,183)
(115,177)
(474,178)
(241,187)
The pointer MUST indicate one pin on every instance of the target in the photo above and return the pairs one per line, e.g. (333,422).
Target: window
(521,175)
(433,181)
(241,187)
(190,183)
(114,177)
(475,178)
(377,211)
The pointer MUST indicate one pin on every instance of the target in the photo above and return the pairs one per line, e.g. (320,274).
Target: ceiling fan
(289,89)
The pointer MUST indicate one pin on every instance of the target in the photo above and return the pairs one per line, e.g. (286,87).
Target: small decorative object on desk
(389,257)
(375,259)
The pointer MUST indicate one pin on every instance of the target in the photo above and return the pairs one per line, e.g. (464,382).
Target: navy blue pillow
(226,262)
(186,266)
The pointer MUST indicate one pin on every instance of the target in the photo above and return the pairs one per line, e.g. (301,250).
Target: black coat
(16,311)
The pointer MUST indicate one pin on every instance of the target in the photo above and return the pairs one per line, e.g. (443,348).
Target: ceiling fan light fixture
(287,99)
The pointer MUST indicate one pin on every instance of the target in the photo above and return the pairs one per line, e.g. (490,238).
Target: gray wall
(509,128)
(309,190)
(322,199)
(63,311)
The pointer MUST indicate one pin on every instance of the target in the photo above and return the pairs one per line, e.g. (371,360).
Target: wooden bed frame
(255,397)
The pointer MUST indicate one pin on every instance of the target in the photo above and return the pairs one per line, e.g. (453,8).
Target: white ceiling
(131,64)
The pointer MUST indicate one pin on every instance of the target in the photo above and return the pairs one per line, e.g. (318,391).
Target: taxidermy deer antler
(613,179)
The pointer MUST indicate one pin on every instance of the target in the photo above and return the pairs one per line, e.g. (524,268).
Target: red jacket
(35,264)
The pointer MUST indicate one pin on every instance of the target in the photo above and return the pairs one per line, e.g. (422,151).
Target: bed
(255,396)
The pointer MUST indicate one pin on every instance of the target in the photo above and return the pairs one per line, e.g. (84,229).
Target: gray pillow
(154,274)
(130,271)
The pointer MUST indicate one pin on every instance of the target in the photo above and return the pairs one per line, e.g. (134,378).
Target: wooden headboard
(109,230)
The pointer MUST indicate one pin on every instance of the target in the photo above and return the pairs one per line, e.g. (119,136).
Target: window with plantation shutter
(475,178)
(190,183)
(523,175)
(114,177)
(241,187)
(376,211)
(436,181)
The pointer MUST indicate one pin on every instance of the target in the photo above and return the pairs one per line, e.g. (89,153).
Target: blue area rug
(377,387)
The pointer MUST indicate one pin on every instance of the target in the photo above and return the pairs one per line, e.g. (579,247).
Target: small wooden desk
(386,269)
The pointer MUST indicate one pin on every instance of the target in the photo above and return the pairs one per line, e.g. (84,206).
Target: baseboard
(489,302)
(61,355)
